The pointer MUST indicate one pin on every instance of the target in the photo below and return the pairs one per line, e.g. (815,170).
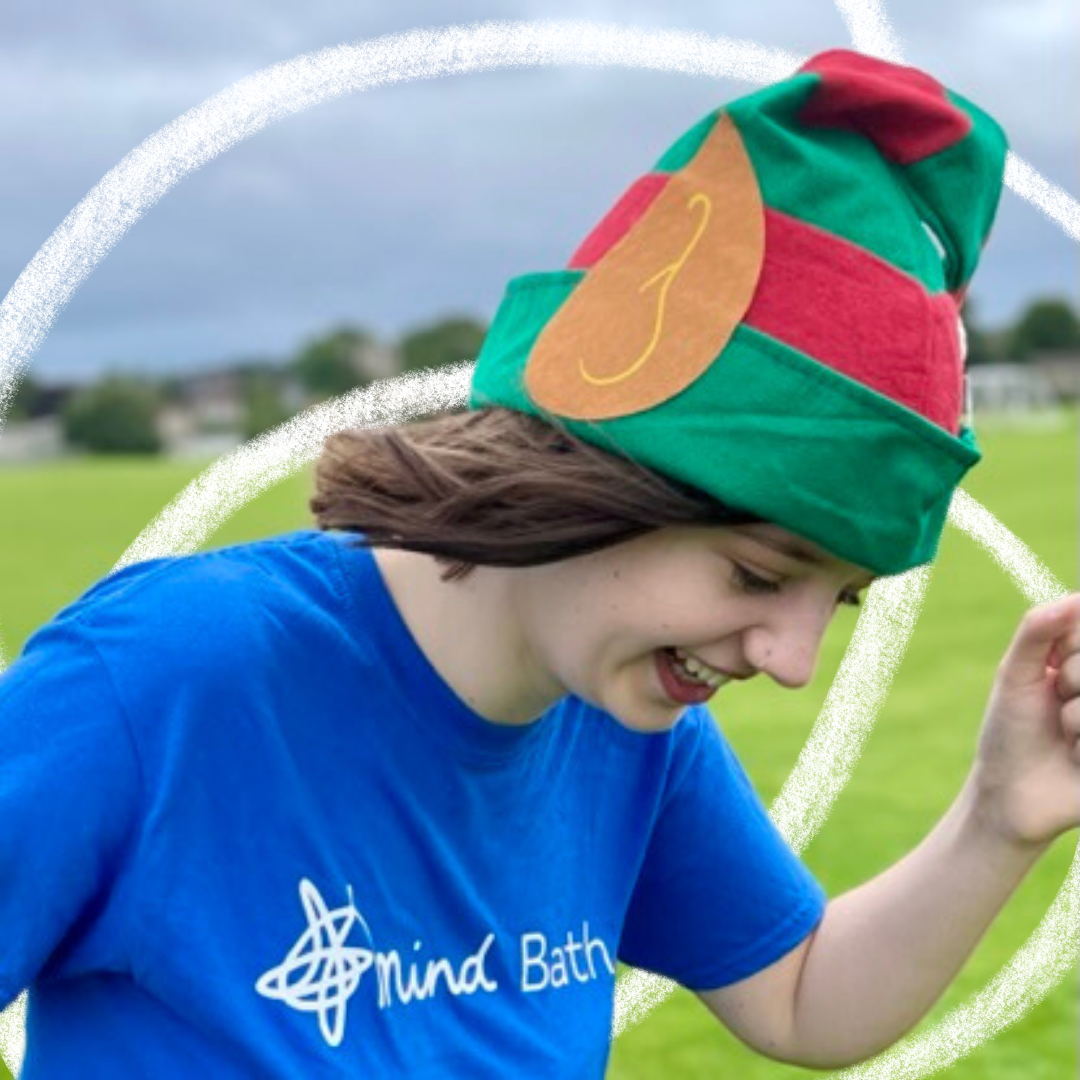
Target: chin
(641,710)
(644,726)
(647,716)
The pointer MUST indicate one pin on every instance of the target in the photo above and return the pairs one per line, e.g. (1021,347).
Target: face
(729,595)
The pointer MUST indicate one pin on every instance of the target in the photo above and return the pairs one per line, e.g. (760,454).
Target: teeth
(700,670)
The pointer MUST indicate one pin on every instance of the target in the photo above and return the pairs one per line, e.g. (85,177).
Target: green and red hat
(771,314)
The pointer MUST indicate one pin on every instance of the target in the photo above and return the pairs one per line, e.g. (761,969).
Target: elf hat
(770,315)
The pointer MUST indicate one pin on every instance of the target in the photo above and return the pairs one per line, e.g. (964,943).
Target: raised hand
(1026,774)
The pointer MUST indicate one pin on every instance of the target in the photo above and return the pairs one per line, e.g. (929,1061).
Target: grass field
(66,525)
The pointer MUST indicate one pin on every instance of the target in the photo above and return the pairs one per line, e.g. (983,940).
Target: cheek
(598,650)
(702,613)
(600,633)
(573,649)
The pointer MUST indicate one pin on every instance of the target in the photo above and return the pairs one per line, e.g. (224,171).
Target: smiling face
(744,599)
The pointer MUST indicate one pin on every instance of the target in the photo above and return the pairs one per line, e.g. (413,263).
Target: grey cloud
(394,205)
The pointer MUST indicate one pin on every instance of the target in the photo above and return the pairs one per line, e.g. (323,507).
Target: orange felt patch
(654,313)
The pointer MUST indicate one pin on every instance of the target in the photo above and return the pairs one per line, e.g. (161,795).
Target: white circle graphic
(93,227)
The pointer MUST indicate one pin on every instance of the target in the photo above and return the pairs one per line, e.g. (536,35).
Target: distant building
(1015,394)
(293,396)
(204,415)
(39,434)
(375,360)
(212,401)
(50,400)
(1061,370)
(32,440)
(208,418)
(203,445)
(1009,387)
(187,433)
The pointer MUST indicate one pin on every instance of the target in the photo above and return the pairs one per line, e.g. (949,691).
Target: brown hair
(496,487)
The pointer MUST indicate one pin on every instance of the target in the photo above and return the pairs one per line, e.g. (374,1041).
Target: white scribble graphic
(835,744)
(13,1033)
(870,30)
(321,972)
(825,765)
(98,222)
(127,191)
(1055,202)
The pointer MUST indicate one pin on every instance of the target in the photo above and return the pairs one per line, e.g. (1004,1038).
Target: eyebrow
(793,549)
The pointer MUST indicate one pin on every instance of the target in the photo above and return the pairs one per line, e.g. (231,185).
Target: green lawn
(68,523)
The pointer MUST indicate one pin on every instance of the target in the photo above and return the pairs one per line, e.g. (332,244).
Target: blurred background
(374,235)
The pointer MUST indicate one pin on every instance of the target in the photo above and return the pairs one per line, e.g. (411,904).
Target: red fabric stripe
(904,112)
(946,371)
(859,315)
(618,220)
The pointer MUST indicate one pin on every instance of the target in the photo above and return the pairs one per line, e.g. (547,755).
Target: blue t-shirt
(246,830)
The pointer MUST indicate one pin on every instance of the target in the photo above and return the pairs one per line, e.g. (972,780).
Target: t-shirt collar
(429,698)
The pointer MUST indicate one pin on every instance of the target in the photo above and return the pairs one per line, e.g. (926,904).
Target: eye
(752,583)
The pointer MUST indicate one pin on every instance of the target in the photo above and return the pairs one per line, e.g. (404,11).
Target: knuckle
(1032,620)
(1070,716)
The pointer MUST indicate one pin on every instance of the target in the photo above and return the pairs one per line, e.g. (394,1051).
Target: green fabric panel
(529,302)
(768,429)
(834,179)
(687,145)
(958,190)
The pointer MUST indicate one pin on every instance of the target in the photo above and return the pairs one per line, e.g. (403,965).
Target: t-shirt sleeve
(720,895)
(69,795)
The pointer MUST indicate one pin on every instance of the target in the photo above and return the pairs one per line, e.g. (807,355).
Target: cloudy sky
(402,204)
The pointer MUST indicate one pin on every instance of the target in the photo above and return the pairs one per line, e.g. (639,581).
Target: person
(393,796)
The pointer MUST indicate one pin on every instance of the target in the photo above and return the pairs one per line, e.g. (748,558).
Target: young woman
(317,807)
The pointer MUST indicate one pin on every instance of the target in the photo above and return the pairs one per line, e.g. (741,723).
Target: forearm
(886,951)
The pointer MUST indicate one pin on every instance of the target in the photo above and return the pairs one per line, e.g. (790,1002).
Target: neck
(470,632)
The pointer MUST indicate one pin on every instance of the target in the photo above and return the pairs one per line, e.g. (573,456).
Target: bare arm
(884,952)
(895,943)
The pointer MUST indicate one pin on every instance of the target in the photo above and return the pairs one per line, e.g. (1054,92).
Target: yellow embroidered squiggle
(669,272)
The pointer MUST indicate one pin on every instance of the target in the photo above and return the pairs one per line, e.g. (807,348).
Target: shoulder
(186,613)
(698,747)
(695,757)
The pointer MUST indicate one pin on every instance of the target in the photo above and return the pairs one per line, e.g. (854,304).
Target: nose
(787,648)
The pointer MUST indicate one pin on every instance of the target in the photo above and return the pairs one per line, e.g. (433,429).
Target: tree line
(119,413)
(1045,325)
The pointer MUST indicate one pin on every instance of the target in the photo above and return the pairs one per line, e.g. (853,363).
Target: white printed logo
(327,970)
(321,972)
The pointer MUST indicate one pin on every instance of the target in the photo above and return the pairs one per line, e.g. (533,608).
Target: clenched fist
(1027,770)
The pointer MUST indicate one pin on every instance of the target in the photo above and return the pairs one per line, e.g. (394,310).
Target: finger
(1067,678)
(1057,655)
(1040,630)
(1067,646)
(1070,720)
